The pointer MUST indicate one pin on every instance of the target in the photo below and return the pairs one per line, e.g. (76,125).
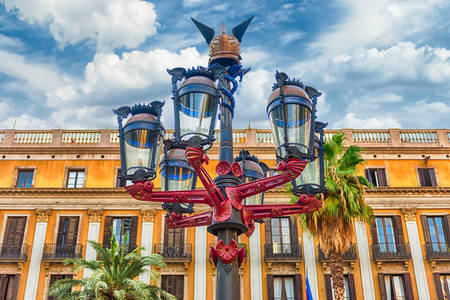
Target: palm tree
(112,276)
(344,203)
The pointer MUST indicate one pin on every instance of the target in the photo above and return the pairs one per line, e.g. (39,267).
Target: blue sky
(380,64)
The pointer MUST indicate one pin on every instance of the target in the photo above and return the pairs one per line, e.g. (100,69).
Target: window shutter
(351,286)
(73,230)
(328,287)
(437,283)
(421,177)
(426,231)
(373,231)
(382,287)
(107,232)
(16,286)
(432,177)
(268,229)
(382,177)
(3,286)
(367,173)
(15,228)
(446,224)
(133,232)
(298,294)
(399,238)
(270,294)
(408,287)
(294,233)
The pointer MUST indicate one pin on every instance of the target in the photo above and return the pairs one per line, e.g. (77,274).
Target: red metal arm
(292,169)
(175,220)
(144,191)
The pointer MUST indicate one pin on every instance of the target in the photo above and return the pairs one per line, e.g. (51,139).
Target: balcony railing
(13,253)
(391,251)
(172,253)
(349,255)
(438,251)
(242,137)
(287,252)
(62,252)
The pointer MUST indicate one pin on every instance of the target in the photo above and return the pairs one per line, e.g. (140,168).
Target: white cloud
(352,121)
(425,112)
(8,42)
(190,3)
(291,36)
(379,23)
(108,23)
(24,121)
(38,76)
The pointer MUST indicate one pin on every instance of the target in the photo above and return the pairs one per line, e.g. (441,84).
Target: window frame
(122,229)
(392,284)
(285,247)
(418,171)
(16,175)
(22,171)
(377,169)
(75,169)
(283,286)
(387,242)
(180,278)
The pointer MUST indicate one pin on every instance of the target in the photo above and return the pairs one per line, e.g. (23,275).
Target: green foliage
(344,203)
(113,276)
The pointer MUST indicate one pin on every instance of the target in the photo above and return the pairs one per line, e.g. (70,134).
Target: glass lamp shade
(290,117)
(251,171)
(309,182)
(176,173)
(143,136)
(196,108)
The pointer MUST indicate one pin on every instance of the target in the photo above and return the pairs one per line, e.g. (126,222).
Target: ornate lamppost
(235,194)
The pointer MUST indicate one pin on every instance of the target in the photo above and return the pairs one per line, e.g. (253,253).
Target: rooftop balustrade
(241,137)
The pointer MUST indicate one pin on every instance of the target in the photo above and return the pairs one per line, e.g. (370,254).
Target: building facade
(58,189)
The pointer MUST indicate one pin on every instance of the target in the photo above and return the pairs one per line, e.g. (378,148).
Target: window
(281,236)
(121,230)
(122,183)
(173,242)
(67,235)
(25,179)
(385,233)
(442,282)
(121,227)
(283,288)
(394,287)
(376,176)
(75,179)
(349,287)
(12,243)
(437,234)
(427,177)
(173,284)
(54,278)
(8,286)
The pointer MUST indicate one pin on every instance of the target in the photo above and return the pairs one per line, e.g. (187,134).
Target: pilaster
(42,216)
(148,219)
(364,261)
(95,217)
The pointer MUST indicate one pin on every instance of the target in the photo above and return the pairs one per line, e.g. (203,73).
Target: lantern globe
(251,171)
(291,115)
(196,106)
(142,140)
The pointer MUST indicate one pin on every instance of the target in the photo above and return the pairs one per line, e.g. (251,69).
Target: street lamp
(235,195)
(140,140)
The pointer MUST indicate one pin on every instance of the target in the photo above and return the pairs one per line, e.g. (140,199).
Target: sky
(379,63)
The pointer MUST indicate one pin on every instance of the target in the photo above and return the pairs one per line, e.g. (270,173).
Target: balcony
(59,253)
(385,252)
(437,251)
(180,253)
(282,253)
(13,253)
(349,256)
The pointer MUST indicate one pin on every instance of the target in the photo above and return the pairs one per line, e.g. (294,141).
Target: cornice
(408,190)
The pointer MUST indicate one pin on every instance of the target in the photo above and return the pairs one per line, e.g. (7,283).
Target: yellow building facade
(58,189)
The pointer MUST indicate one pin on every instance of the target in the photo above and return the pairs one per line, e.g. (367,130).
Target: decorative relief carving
(95,215)
(43,214)
(148,215)
(409,214)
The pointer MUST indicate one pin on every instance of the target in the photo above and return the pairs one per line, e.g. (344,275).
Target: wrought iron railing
(273,252)
(437,251)
(391,251)
(17,253)
(55,251)
(175,252)
(349,255)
